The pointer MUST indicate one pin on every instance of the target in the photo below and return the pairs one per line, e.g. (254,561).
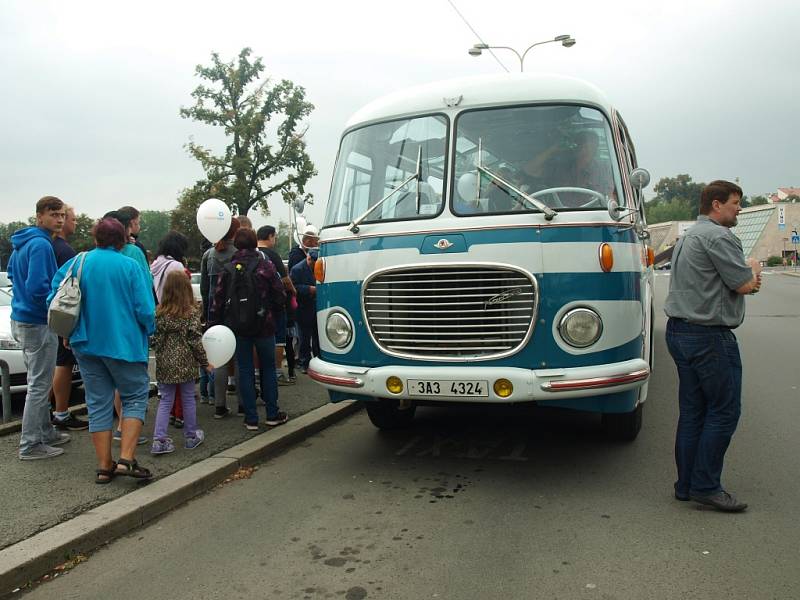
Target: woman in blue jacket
(110,344)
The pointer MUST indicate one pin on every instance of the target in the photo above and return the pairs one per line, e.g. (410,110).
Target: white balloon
(213,219)
(219,343)
(467,186)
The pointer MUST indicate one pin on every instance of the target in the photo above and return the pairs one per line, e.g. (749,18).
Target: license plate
(447,388)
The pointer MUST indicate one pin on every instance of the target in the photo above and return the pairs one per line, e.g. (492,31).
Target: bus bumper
(529,385)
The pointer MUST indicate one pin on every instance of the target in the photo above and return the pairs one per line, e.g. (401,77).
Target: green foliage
(758,200)
(82,239)
(251,112)
(792,198)
(184,219)
(677,199)
(774,261)
(154,225)
(283,244)
(6,231)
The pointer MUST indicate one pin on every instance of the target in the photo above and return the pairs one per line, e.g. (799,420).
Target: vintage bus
(485,241)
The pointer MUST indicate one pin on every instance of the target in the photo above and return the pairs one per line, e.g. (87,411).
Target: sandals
(131,468)
(103,476)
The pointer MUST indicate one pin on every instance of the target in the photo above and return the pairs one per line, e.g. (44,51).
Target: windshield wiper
(354,226)
(549,213)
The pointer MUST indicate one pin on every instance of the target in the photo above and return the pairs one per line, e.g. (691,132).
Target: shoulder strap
(80,267)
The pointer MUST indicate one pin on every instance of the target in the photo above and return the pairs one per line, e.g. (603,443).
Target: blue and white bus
(485,241)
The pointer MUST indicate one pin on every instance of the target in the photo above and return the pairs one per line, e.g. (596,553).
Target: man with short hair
(267,238)
(705,303)
(31,269)
(310,239)
(302,275)
(65,360)
(132,217)
(244,222)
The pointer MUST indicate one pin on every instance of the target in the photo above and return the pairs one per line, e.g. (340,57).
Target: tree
(282,243)
(6,231)
(154,225)
(82,239)
(792,198)
(681,186)
(758,200)
(248,109)
(184,219)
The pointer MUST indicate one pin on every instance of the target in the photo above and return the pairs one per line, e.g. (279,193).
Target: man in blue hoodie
(31,269)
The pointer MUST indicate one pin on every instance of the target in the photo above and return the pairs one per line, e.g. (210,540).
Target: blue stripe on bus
(596,234)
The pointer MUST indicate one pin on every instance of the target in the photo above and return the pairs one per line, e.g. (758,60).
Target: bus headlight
(580,327)
(338,329)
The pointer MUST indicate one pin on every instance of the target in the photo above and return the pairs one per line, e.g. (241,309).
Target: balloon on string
(213,219)
(467,186)
(219,343)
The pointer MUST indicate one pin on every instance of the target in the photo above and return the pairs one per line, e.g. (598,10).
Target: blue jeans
(206,384)
(710,402)
(265,348)
(39,350)
(101,376)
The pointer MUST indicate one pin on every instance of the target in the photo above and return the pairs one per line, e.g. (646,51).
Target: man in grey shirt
(706,301)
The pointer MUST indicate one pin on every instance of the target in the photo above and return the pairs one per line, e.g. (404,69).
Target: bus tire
(385,413)
(622,427)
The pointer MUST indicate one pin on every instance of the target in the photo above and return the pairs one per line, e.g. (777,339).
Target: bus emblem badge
(502,297)
(443,244)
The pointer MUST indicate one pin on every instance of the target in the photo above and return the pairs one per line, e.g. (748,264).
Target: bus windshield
(562,156)
(375,160)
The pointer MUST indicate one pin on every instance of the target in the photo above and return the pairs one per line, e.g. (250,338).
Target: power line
(472,29)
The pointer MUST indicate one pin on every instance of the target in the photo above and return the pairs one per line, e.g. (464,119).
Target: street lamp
(566,40)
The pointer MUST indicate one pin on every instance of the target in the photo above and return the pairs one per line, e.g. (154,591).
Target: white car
(5,282)
(11,352)
(196,287)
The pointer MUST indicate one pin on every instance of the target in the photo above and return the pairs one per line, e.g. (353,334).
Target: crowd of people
(130,307)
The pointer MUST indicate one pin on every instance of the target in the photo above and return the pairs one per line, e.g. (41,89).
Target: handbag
(65,308)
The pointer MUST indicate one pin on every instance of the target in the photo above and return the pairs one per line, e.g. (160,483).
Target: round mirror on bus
(640,178)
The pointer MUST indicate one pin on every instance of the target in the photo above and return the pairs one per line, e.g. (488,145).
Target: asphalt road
(493,503)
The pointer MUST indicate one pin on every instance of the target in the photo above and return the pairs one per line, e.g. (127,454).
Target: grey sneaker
(143,439)
(59,440)
(40,451)
(162,446)
(190,443)
(283,380)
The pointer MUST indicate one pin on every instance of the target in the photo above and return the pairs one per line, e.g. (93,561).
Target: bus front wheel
(386,413)
(623,427)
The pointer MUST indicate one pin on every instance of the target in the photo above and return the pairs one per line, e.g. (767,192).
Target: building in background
(764,230)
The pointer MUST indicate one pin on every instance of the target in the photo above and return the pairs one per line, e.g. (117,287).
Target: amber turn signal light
(606,256)
(651,257)
(319,270)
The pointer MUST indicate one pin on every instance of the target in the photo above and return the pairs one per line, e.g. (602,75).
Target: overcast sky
(91,90)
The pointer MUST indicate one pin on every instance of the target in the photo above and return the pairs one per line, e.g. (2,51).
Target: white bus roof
(485,90)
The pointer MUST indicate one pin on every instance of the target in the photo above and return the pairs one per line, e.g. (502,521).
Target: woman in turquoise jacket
(110,344)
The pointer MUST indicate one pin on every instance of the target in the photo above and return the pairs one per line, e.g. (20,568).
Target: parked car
(11,352)
(5,282)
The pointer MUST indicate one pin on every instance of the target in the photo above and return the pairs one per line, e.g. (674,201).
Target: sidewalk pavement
(36,495)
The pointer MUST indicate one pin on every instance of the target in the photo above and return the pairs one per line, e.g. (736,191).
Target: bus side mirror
(640,178)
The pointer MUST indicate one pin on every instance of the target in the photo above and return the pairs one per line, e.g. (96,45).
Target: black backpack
(243,310)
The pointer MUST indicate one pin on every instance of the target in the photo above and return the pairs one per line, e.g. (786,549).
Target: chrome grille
(452,312)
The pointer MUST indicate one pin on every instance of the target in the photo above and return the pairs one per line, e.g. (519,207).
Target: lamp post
(566,40)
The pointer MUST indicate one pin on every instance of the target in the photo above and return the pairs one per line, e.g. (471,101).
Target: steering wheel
(597,199)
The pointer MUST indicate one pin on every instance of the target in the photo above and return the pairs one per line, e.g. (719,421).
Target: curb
(789,274)
(29,559)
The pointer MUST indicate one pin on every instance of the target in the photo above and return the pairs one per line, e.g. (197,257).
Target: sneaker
(41,451)
(251,426)
(292,379)
(278,419)
(283,380)
(71,423)
(205,400)
(221,412)
(162,446)
(178,423)
(59,440)
(190,443)
(172,419)
(142,438)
